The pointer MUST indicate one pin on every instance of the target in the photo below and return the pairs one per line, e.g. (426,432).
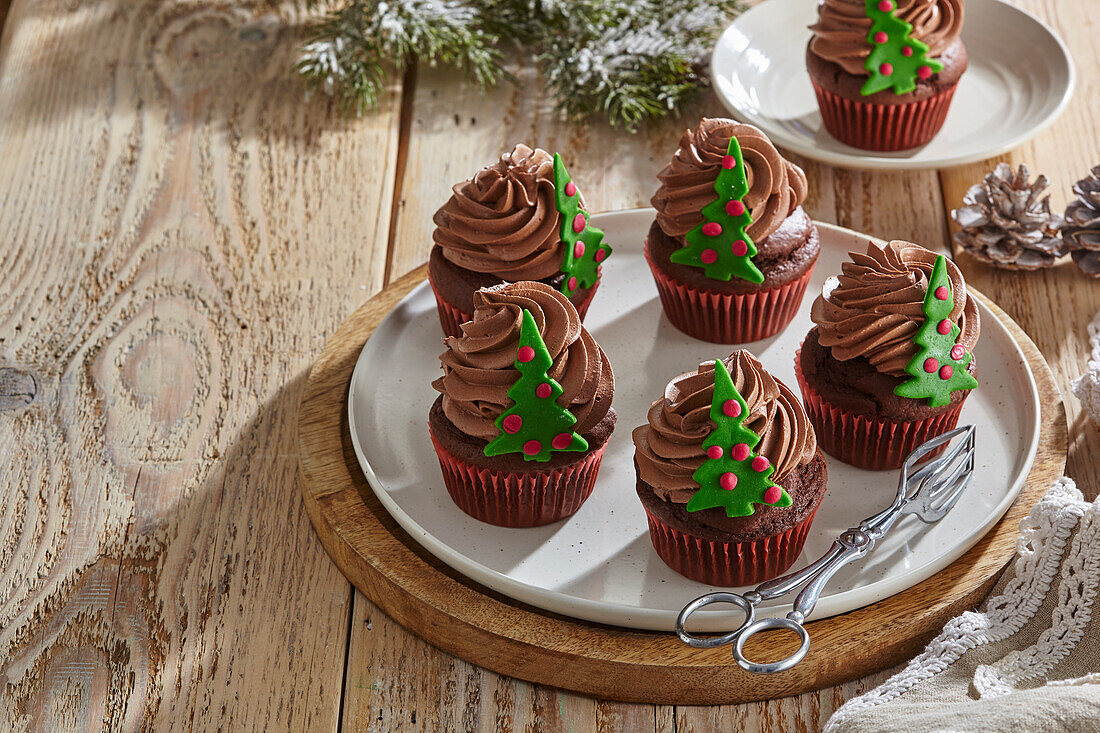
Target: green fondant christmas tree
(720,244)
(733,476)
(584,250)
(897,60)
(535,425)
(939,367)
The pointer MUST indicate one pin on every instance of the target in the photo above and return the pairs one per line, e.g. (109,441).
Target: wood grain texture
(177,246)
(461,617)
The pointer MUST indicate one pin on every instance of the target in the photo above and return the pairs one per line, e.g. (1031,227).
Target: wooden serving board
(466,619)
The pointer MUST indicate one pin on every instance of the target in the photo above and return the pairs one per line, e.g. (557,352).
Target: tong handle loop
(772,667)
(712,642)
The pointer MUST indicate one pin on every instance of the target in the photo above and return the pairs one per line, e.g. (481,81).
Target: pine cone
(1082,228)
(1005,224)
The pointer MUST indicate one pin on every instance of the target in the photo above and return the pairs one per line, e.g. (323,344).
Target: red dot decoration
(735,208)
(925,72)
(946,371)
(578,223)
(886,6)
(572,284)
(740,452)
(760,464)
(740,248)
(561,441)
(570,189)
(728,162)
(601,255)
(526,354)
(886,69)
(907,51)
(578,250)
(931,365)
(881,37)
(957,352)
(728,481)
(773,494)
(944,327)
(512,424)
(714,452)
(941,293)
(543,390)
(712,229)
(732,408)
(532,447)
(708,257)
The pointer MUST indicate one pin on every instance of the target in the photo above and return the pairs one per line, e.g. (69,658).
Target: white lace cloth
(1087,388)
(1029,660)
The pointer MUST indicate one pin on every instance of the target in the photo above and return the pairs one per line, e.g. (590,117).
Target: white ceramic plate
(1020,78)
(598,565)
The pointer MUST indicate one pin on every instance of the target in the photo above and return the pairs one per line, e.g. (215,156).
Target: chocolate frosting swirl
(503,221)
(776,186)
(873,309)
(669,447)
(840,34)
(479,366)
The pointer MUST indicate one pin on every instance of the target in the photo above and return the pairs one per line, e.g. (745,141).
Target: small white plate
(1020,78)
(598,565)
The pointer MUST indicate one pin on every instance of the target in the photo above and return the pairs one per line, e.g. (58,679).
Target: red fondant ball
(942,293)
(886,6)
(740,248)
(946,371)
(561,441)
(714,452)
(944,327)
(732,408)
(773,494)
(728,481)
(708,257)
(886,69)
(712,229)
(512,424)
(881,37)
(601,255)
(729,162)
(526,354)
(735,208)
(572,284)
(578,250)
(543,390)
(957,352)
(532,447)
(570,189)
(740,451)
(760,464)
(907,51)
(578,223)
(925,72)
(931,365)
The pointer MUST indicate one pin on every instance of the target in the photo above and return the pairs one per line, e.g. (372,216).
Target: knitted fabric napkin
(1087,388)
(1028,660)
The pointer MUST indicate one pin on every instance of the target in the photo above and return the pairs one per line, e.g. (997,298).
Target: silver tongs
(929,492)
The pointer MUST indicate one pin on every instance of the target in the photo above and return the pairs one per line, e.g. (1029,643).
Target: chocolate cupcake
(888,365)
(729,473)
(519,219)
(731,249)
(524,411)
(885,71)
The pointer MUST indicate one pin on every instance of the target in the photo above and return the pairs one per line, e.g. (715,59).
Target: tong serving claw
(929,492)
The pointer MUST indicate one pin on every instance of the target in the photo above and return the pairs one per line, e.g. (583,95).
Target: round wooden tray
(463,618)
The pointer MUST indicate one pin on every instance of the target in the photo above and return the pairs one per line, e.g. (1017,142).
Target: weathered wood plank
(182,233)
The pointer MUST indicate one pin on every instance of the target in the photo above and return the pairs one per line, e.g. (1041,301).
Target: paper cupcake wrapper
(883,127)
(509,499)
(728,564)
(451,318)
(728,318)
(869,442)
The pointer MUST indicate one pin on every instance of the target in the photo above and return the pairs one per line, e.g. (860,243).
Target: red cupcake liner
(883,127)
(728,564)
(869,442)
(728,318)
(509,499)
(451,318)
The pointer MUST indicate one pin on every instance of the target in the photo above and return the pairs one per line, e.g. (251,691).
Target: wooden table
(181,233)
